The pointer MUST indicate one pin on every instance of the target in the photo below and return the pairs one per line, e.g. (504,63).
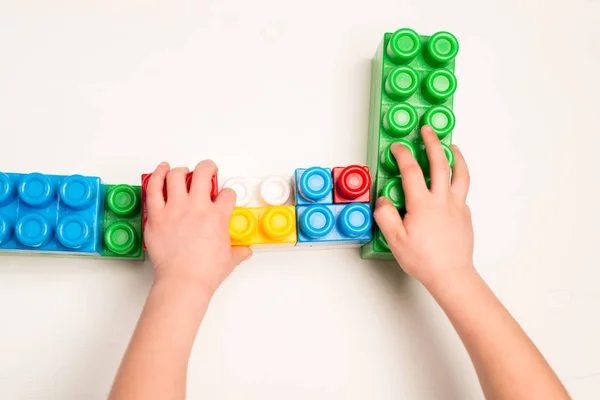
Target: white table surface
(266,86)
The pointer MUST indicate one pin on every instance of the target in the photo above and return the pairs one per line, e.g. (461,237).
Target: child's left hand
(187,235)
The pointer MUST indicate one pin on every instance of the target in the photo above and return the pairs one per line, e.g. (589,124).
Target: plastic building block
(263,226)
(412,84)
(50,213)
(122,236)
(351,184)
(313,186)
(256,192)
(348,224)
(214,191)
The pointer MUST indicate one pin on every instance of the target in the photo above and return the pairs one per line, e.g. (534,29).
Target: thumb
(240,254)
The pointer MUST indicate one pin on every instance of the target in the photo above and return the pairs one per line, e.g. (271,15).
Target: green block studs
(123,222)
(393,190)
(402,83)
(123,200)
(441,119)
(439,85)
(120,238)
(442,48)
(403,46)
(412,84)
(400,120)
(388,161)
(424,160)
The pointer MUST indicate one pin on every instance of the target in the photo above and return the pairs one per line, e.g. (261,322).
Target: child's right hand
(435,238)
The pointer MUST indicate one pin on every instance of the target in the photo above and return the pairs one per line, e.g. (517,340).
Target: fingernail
(380,201)
(249,256)
(163,164)
(427,129)
(455,147)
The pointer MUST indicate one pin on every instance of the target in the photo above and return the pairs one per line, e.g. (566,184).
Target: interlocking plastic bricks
(334,224)
(313,186)
(412,84)
(122,236)
(263,227)
(256,192)
(351,184)
(50,213)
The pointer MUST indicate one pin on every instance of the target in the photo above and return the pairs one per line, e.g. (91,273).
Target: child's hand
(436,236)
(188,234)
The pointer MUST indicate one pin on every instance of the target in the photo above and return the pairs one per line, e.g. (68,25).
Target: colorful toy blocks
(256,192)
(50,213)
(122,236)
(412,84)
(263,227)
(351,184)
(313,186)
(334,224)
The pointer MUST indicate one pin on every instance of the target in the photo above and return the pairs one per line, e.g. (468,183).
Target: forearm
(507,362)
(155,364)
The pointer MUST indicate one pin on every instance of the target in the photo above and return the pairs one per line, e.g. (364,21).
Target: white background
(265,86)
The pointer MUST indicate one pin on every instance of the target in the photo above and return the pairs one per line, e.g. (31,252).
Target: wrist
(174,286)
(450,279)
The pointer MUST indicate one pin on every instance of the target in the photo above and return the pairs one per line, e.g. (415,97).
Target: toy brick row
(412,84)
(69,215)
(270,211)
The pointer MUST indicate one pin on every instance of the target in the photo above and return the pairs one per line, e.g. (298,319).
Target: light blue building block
(50,213)
(313,186)
(334,224)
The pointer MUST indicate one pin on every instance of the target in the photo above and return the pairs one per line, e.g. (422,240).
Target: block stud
(404,45)
(278,223)
(402,83)
(388,161)
(439,86)
(400,120)
(241,225)
(77,192)
(442,47)
(123,200)
(317,221)
(73,232)
(7,189)
(441,119)
(393,190)
(355,220)
(33,230)
(315,183)
(37,190)
(353,182)
(120,238)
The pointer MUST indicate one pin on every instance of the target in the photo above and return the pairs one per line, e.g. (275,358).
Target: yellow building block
(263,226)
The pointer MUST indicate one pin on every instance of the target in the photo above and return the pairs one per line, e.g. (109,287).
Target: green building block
(412,84)
(122,237)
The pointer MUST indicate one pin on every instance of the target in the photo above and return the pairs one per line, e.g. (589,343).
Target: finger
(202,180)
(438,163)
(413,181)
(240,254)
(389,221)
(155,199)
(461,179)
(226,199)
(176,190)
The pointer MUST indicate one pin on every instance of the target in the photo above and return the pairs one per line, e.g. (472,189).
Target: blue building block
(50,213)
(334,224)
(313,186)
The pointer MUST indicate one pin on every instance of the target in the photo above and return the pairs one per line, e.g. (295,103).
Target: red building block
(214,191)
(351,184)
